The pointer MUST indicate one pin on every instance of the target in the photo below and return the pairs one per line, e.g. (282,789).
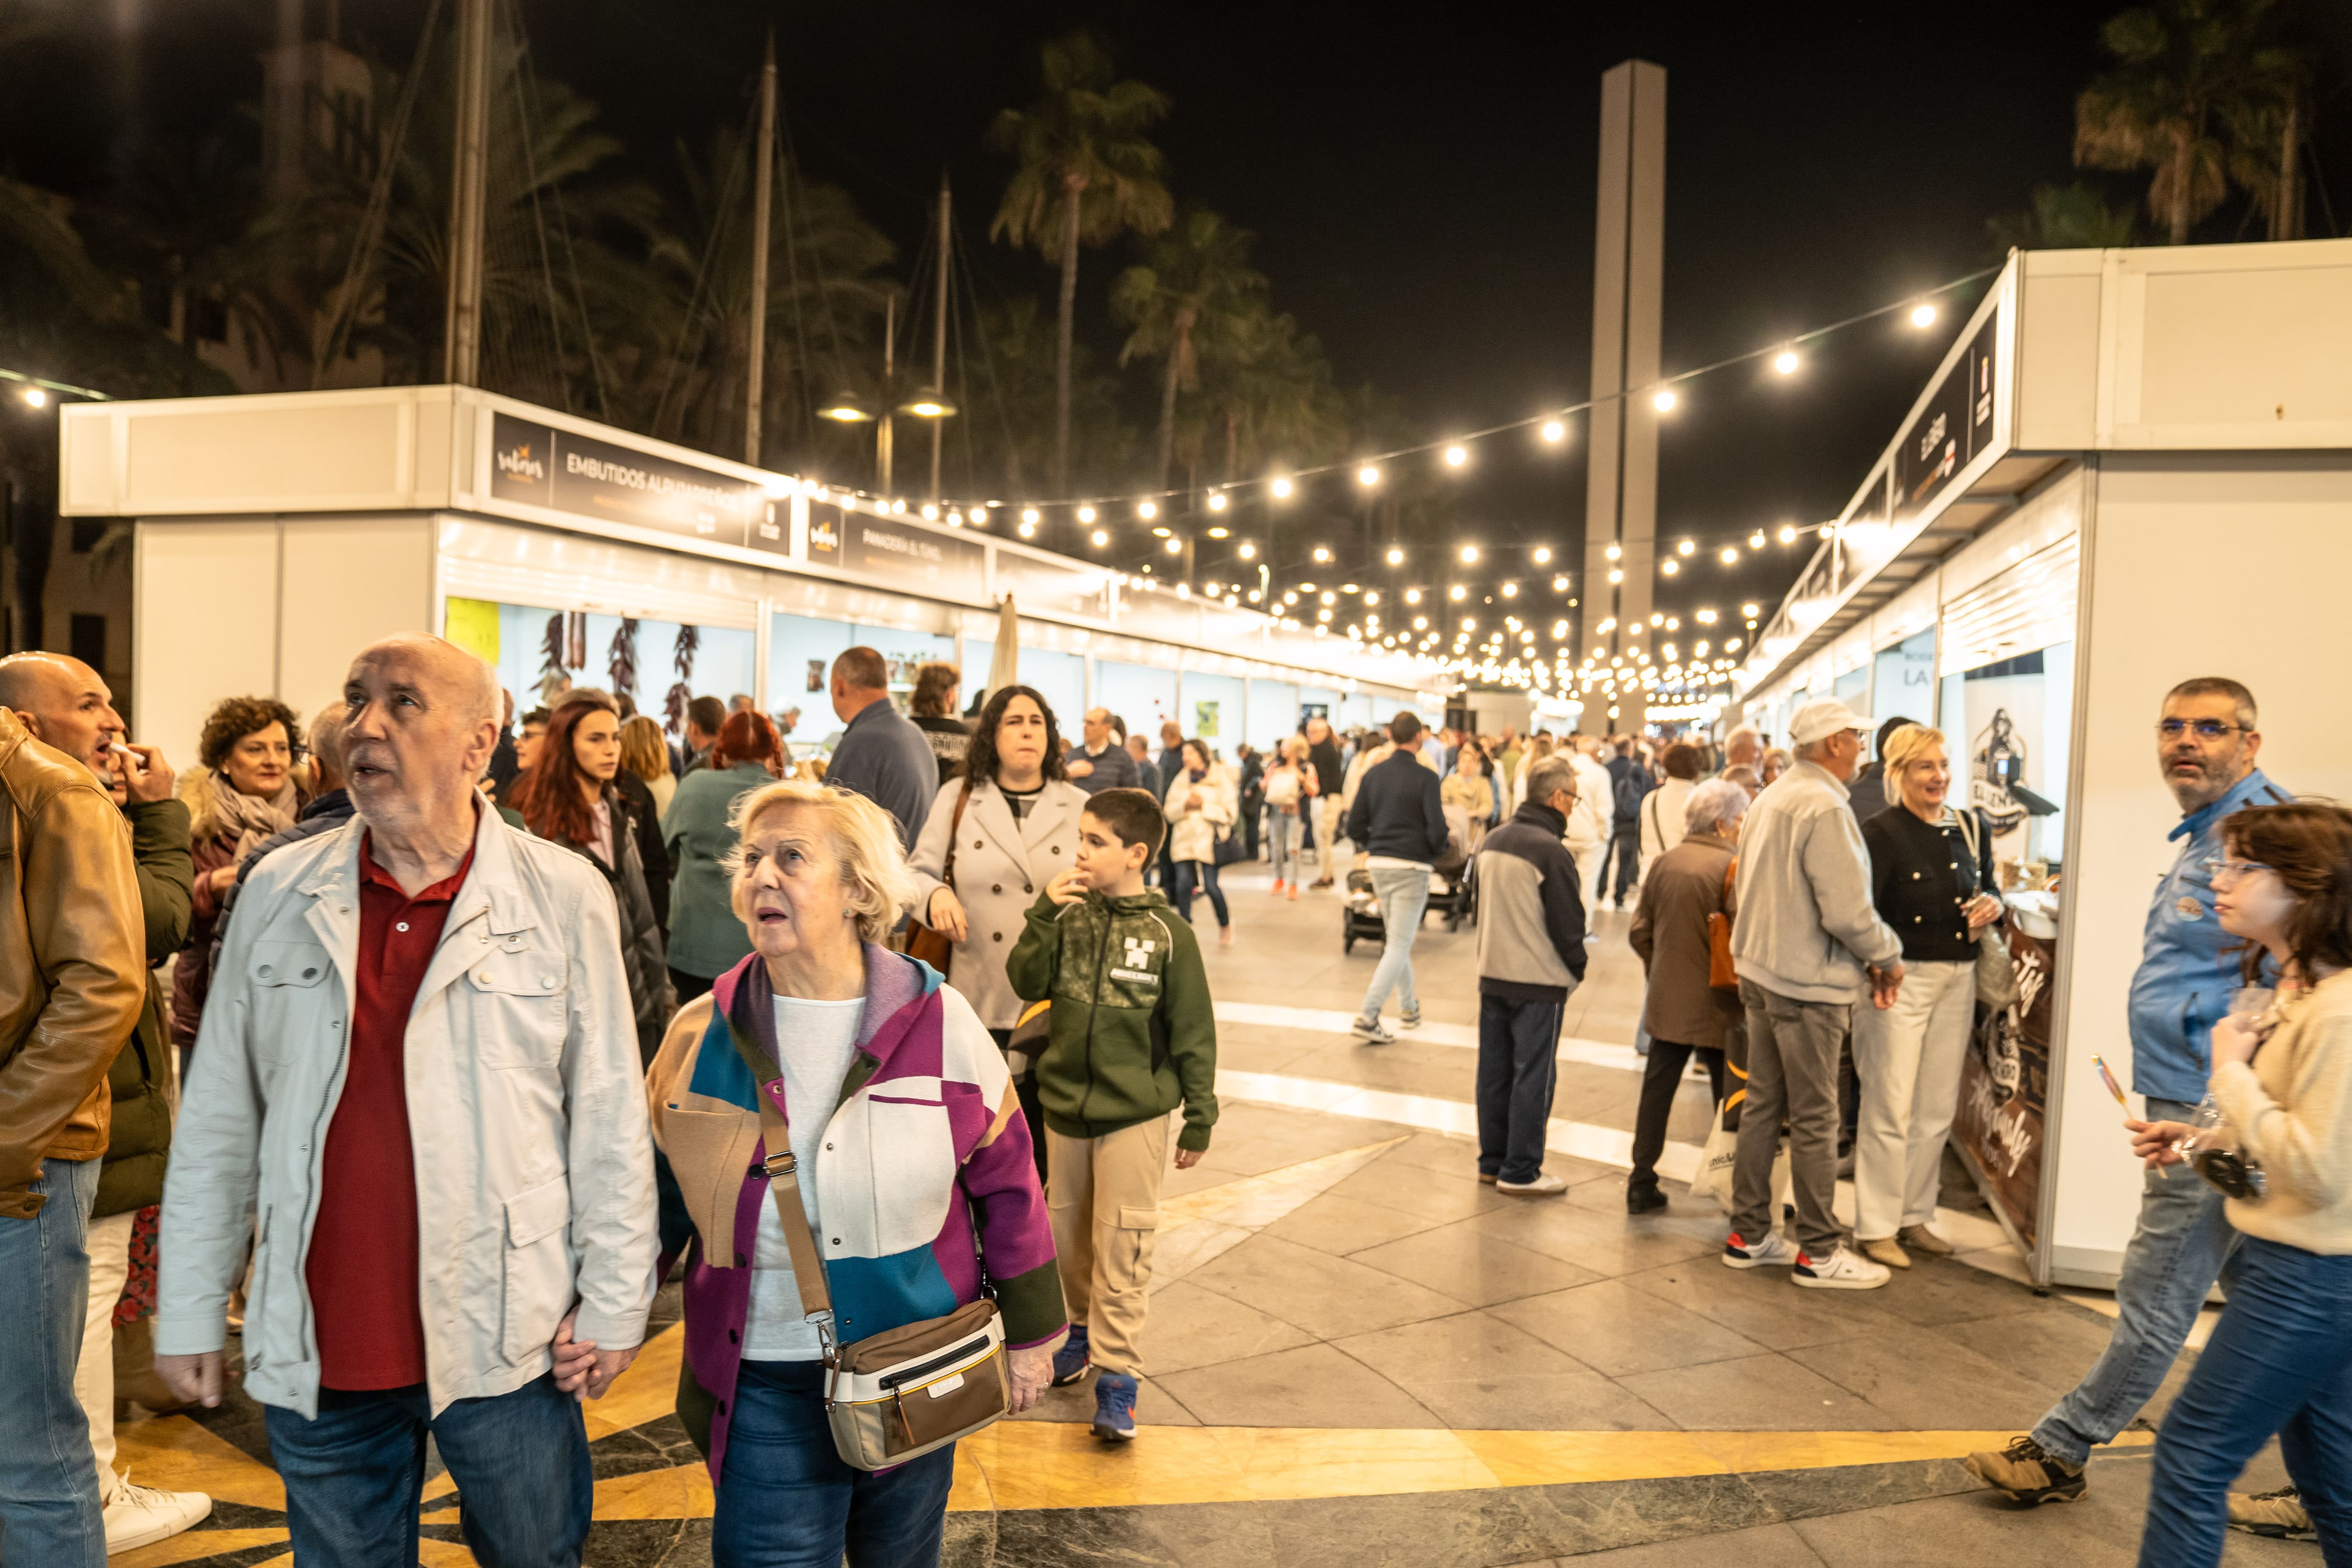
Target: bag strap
(955,831)
(782,1171)
(1968,819)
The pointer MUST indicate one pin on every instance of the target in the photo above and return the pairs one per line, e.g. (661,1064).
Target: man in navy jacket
(1400,821)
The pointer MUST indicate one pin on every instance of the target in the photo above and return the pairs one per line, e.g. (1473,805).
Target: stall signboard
(2005,1089)
(537,465)
(903,554)
(1953,427)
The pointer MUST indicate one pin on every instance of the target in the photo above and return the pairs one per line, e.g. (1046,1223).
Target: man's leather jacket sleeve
(82,920)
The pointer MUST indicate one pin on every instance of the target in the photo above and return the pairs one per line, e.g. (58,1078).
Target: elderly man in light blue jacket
(1808,943)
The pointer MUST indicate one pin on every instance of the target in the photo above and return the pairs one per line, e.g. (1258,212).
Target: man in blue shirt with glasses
(2206,742)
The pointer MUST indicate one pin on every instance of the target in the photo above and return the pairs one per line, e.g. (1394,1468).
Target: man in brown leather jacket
(72,986)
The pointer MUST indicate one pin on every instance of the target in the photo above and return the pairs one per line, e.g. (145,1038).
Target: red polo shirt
(363,1269)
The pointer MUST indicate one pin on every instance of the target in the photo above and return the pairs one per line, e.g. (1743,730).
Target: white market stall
(276,534)
(2134,466)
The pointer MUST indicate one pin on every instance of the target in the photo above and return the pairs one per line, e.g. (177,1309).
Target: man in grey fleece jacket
(1808,943)
(1530,957)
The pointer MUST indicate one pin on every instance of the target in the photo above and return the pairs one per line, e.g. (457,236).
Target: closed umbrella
(1004,667)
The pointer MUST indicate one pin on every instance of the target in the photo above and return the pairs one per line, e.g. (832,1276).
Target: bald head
(422,719)
(63,703)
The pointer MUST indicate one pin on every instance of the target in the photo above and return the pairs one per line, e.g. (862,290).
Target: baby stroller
(1452,892)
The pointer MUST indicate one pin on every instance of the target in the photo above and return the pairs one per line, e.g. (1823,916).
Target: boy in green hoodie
(1132,1037)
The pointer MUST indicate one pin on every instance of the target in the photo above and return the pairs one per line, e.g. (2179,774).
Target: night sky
(1420,179)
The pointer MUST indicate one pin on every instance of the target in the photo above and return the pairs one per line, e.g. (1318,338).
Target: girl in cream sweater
(2281,1360)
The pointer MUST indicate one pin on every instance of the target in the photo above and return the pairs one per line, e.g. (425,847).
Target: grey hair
(327,736)
(1717,800)
(874,876)
(1550,775)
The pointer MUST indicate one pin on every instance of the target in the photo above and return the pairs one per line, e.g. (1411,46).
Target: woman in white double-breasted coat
(1018,829)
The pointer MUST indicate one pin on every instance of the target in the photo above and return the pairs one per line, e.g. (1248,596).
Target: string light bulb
(1281,488)
(1923,315)
(1616,575)
(1322,553)
(1469,555)
(1457,593)
(1029,516)
(1100,537)
(1756,539)
(1216,501)
(1553,430)
(1174,546)
(1396,556)
(1785,362)
(1730,556)
(1086,514)
(1670,567)
(1146,509)
(1664,400)
(1248,550)
(1788,533)
(1412,595)
(35,397)
(1367,475)
(1454,458)
(1615,551)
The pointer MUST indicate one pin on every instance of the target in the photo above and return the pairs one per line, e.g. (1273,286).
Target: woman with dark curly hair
(994,838)
(245,788)
(569,798)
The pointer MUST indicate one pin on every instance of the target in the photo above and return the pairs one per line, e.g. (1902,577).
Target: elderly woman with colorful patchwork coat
(911,1146)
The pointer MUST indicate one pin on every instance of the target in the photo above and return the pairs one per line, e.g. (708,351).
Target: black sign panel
(900,551)
(536,465)
(1952,428)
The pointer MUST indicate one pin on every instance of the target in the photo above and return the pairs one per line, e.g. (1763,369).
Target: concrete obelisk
(1621,497)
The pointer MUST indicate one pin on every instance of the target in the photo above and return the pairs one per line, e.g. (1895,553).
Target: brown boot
(1919,1239)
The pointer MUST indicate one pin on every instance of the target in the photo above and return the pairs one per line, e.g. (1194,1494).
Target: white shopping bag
(1713,1177)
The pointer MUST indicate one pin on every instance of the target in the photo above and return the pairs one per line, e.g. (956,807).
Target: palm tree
(1012,429)
(2065,217)
(1267,393)
(1084,173)
(2185,71)
(1199,272)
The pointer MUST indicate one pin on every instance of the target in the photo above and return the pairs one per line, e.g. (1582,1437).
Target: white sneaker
(142,1516)
(1843,1270)
(1543,1186)
(1773,1250)
(1371,1033)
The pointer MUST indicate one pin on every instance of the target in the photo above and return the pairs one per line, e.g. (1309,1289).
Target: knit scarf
(251,818)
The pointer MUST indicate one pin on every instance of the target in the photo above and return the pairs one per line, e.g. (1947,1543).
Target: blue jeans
(1518,1072)
(1279,832)
(49,1510)
(1200,874)
(2279,1361)
(2175,1254)
(786,1501)
(353,1476)
(1404,896)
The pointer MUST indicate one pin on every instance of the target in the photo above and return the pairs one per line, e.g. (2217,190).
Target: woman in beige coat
(1006,827)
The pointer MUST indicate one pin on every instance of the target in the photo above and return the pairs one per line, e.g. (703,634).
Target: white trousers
(109,1270)
(1909,1059)
(1588,857)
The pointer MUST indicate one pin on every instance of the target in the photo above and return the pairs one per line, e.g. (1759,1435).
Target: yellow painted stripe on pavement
(1036,1465)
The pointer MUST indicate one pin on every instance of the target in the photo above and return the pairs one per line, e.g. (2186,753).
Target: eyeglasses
(2203,728)
(2222,871)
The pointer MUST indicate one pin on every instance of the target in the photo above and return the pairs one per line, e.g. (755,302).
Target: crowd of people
(417,1048)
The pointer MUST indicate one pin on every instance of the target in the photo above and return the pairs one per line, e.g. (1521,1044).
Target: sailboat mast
(939,337)
(756,366)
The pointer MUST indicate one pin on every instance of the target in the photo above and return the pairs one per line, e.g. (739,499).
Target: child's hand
(1187,1158)
(1067,887)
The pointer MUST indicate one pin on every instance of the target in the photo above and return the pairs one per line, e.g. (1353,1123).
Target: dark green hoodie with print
(1133,1035)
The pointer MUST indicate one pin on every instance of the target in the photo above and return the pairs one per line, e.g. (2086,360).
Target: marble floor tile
(1921,1380)
(1391,1184)
(1759,1546)
(1761,1304)
(1478,1372)
(1609,1245)
(1619,1331)
(1154,1405)
(1339,1224)
(1473,1266)
(1329,1297)
(1755,1392)
(1189,1327)
(1313,1386)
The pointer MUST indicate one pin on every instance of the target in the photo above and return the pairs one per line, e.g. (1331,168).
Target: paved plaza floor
(1361,1356)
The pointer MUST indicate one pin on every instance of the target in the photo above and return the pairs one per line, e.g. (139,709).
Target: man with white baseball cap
(1804,874)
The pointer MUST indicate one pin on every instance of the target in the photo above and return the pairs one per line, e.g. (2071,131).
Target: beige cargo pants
(1103,1196)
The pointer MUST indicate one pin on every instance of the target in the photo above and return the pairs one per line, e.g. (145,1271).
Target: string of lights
(35,389)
